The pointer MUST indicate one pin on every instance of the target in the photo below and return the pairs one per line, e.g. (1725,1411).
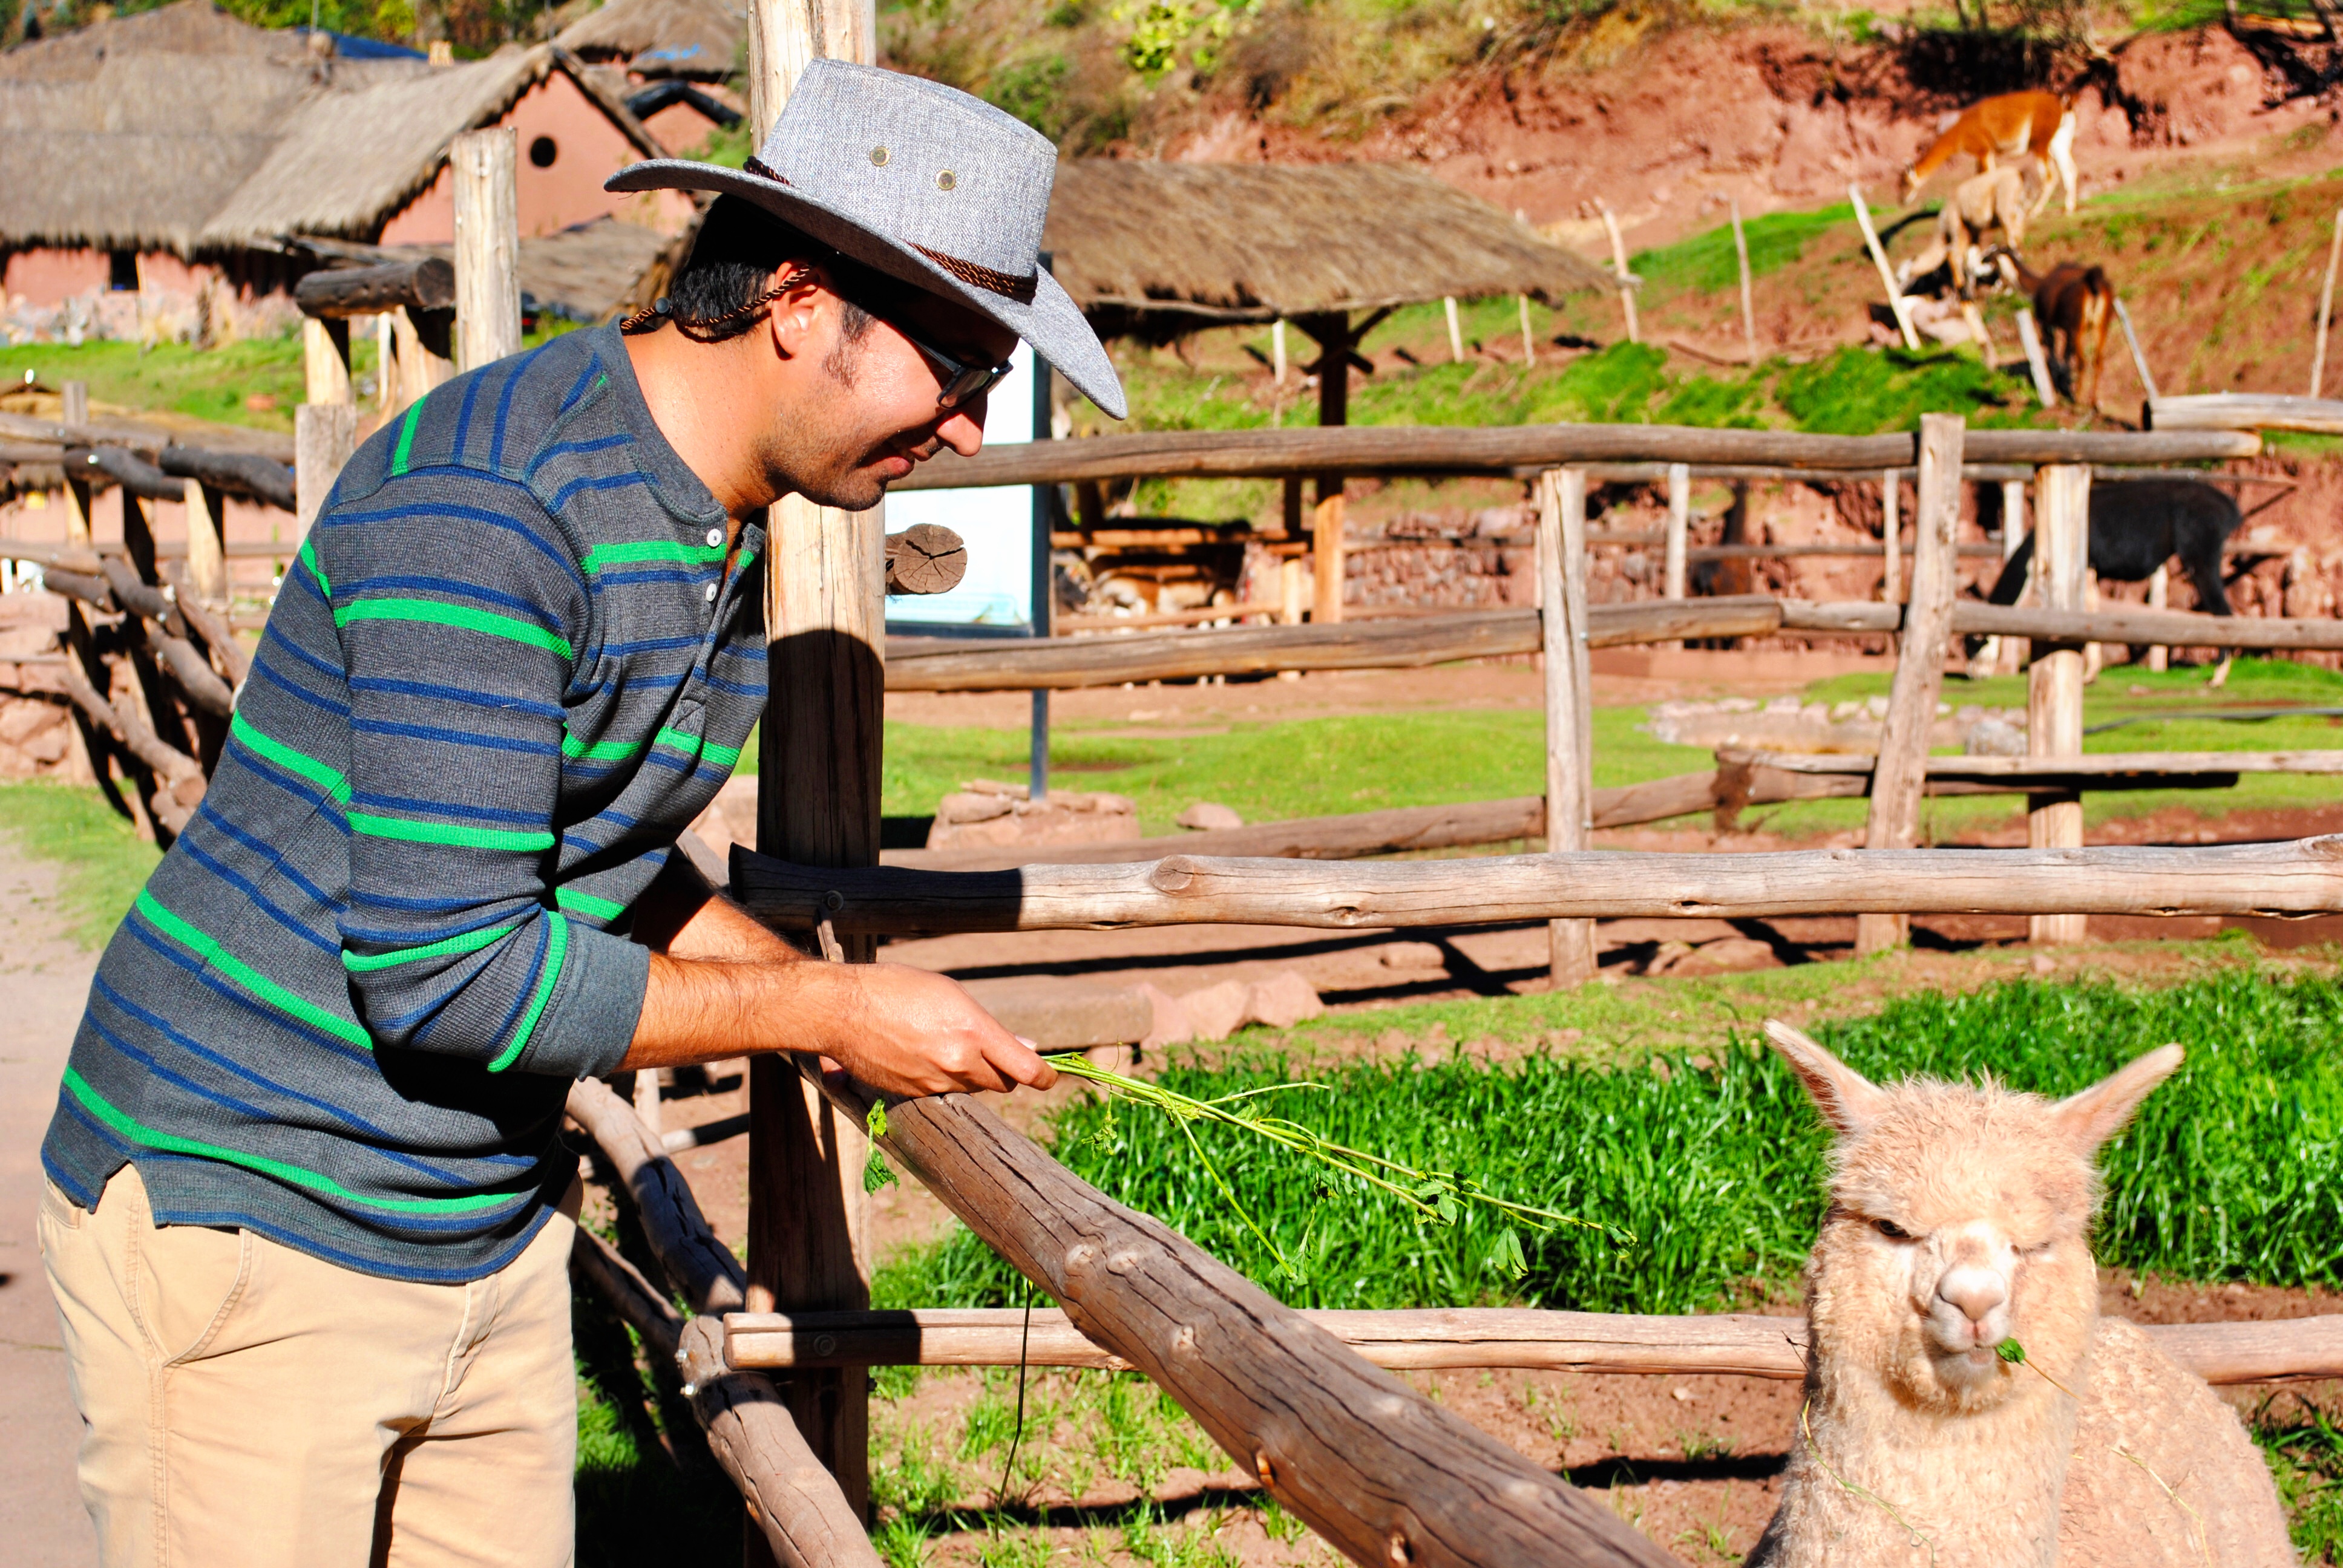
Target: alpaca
(1994,200)
(1957,1221)
(2038,126)
(2075,303)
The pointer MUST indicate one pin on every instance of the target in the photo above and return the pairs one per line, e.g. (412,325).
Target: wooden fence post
(1748,311)
(206,541)
(1897,781)
(2054,687)
(1619,269)
(488,247)
(2030,339)
(2013,528)
(1679,526)
(324,435)
(1891,530)
(1569,713)
(1455,332)
(818,804)
(325,360)
(2159,596)
(1327,558)
(1896,304)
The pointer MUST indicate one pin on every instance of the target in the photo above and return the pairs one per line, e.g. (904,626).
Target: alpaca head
(1959,1218)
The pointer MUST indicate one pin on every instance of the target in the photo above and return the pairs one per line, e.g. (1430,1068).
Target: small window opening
(542,152)
(122,271)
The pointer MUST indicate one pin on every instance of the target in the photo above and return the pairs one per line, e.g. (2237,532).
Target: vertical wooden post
(323,436)
(818,804)
(487,246)
(1896,303)
(1748,311)
(1619,270)
(1326,555)
(1291,598)
(2094,654)
(207,542)
(2159,596)
(1988,661)
(2138,360)
(1901,772)
(1529,339)
(387,377)
(2327,307)
(419,369)
(77,401)
(1569,711)
(1331,332)
(2029,337)
(1277,352)
(2054,687)
(1455,331)
(325,360)
(1672,573)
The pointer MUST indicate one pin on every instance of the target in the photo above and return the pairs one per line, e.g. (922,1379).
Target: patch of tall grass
(101,860)
(1714,1160)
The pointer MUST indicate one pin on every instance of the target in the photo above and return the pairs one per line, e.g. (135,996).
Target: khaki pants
(243,1403)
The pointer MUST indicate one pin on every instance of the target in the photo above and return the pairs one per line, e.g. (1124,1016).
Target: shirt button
(711,593)
(715,538)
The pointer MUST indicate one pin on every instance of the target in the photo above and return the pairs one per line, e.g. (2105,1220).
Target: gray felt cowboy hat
(927,185)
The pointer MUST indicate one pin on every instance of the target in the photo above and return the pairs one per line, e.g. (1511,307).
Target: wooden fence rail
(1384,1474)
(1737,1344)
(2304,877)
(1511,449)
(957,664)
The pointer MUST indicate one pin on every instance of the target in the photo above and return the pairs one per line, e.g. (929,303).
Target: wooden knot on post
(1172,874)
(1263,1468)
(1400,1552)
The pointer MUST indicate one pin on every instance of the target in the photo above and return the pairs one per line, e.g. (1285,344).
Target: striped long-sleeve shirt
(506,670)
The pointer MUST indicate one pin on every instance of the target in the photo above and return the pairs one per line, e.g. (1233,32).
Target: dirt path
(43,981)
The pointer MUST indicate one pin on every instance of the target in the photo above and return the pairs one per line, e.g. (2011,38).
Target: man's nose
(963,431)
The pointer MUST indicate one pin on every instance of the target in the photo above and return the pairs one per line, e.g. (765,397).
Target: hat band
(975,274)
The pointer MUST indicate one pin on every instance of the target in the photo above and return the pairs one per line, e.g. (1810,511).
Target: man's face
(874,415)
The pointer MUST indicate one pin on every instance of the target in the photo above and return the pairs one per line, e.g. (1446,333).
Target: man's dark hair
(732,263)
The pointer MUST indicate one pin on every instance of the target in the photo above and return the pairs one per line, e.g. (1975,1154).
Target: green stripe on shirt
(463,617)
(638,551)
(333,784)
(557,948)
(458,834)
(469,942)
(587,904)
(246,977)
(697,746)
(170,1143)
(399,459)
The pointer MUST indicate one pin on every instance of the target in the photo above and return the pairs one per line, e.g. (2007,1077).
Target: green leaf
(2011,1351)
(1507,1256)
(876,1173)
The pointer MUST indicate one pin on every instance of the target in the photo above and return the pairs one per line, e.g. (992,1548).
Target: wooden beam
(799,1516)
(2054,684)
(1671,573)
(263,479)
(425,283)
(1378,1470)
(2304,877)
(2246,411)
(1894,820)
(925,558)
(825,587)
(487,245)
(1327,560)
(1729,1344)
(1569,703)
(2108,765)
(324,436)
(325,360)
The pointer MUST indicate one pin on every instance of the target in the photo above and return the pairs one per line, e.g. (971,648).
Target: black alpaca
(2136,526)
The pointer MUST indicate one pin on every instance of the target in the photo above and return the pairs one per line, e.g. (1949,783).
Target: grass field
(102,860)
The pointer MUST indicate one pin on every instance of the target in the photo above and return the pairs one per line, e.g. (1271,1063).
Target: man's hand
(911,1032)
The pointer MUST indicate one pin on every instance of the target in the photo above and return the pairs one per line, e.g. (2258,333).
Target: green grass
(1713,1158)
(103,861)
(1706,261)
(208,383)
(2303,1445)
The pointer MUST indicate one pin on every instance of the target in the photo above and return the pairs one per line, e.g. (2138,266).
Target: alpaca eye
(1891,1230)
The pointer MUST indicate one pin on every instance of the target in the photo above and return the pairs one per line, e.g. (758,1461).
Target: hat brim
(1051,322)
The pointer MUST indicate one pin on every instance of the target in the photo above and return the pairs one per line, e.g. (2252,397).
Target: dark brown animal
(2074,303)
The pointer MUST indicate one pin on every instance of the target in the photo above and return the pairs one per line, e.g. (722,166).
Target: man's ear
(791,319)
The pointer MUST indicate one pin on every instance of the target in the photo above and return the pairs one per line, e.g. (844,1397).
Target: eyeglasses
(960,382)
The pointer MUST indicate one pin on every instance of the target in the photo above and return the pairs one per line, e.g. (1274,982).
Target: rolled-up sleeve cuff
(589,1019)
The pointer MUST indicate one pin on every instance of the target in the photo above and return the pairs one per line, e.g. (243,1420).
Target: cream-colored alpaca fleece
(1958,1220)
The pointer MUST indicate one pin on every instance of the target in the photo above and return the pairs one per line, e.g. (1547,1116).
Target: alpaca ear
(2097,1114)
(1847,1101)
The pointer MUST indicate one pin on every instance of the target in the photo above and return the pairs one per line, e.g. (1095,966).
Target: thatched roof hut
(1160,248)
(344,162)
(129,133)
(700,38)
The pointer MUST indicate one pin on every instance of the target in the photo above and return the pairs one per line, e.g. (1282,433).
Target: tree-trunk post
(324,435)
(487,246)
(1679,527)
(1327,558)
(386,365)
(206,541)
(1569,713)
(1902,773)
(325,360)
(2054,686)
(2159,596)
(818,804)
(419,369)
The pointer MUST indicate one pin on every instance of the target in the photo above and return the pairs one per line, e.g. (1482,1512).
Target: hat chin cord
(711,329)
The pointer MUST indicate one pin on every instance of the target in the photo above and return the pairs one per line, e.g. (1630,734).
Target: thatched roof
(344,162)
(1148,246)
(131,133)
(662,37)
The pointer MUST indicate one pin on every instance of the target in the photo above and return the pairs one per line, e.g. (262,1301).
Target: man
(307,1222)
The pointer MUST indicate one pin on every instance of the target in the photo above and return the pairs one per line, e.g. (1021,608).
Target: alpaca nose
(1976,1291)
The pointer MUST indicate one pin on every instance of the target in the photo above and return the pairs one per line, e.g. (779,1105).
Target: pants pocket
(59,1210)
(193,1279)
